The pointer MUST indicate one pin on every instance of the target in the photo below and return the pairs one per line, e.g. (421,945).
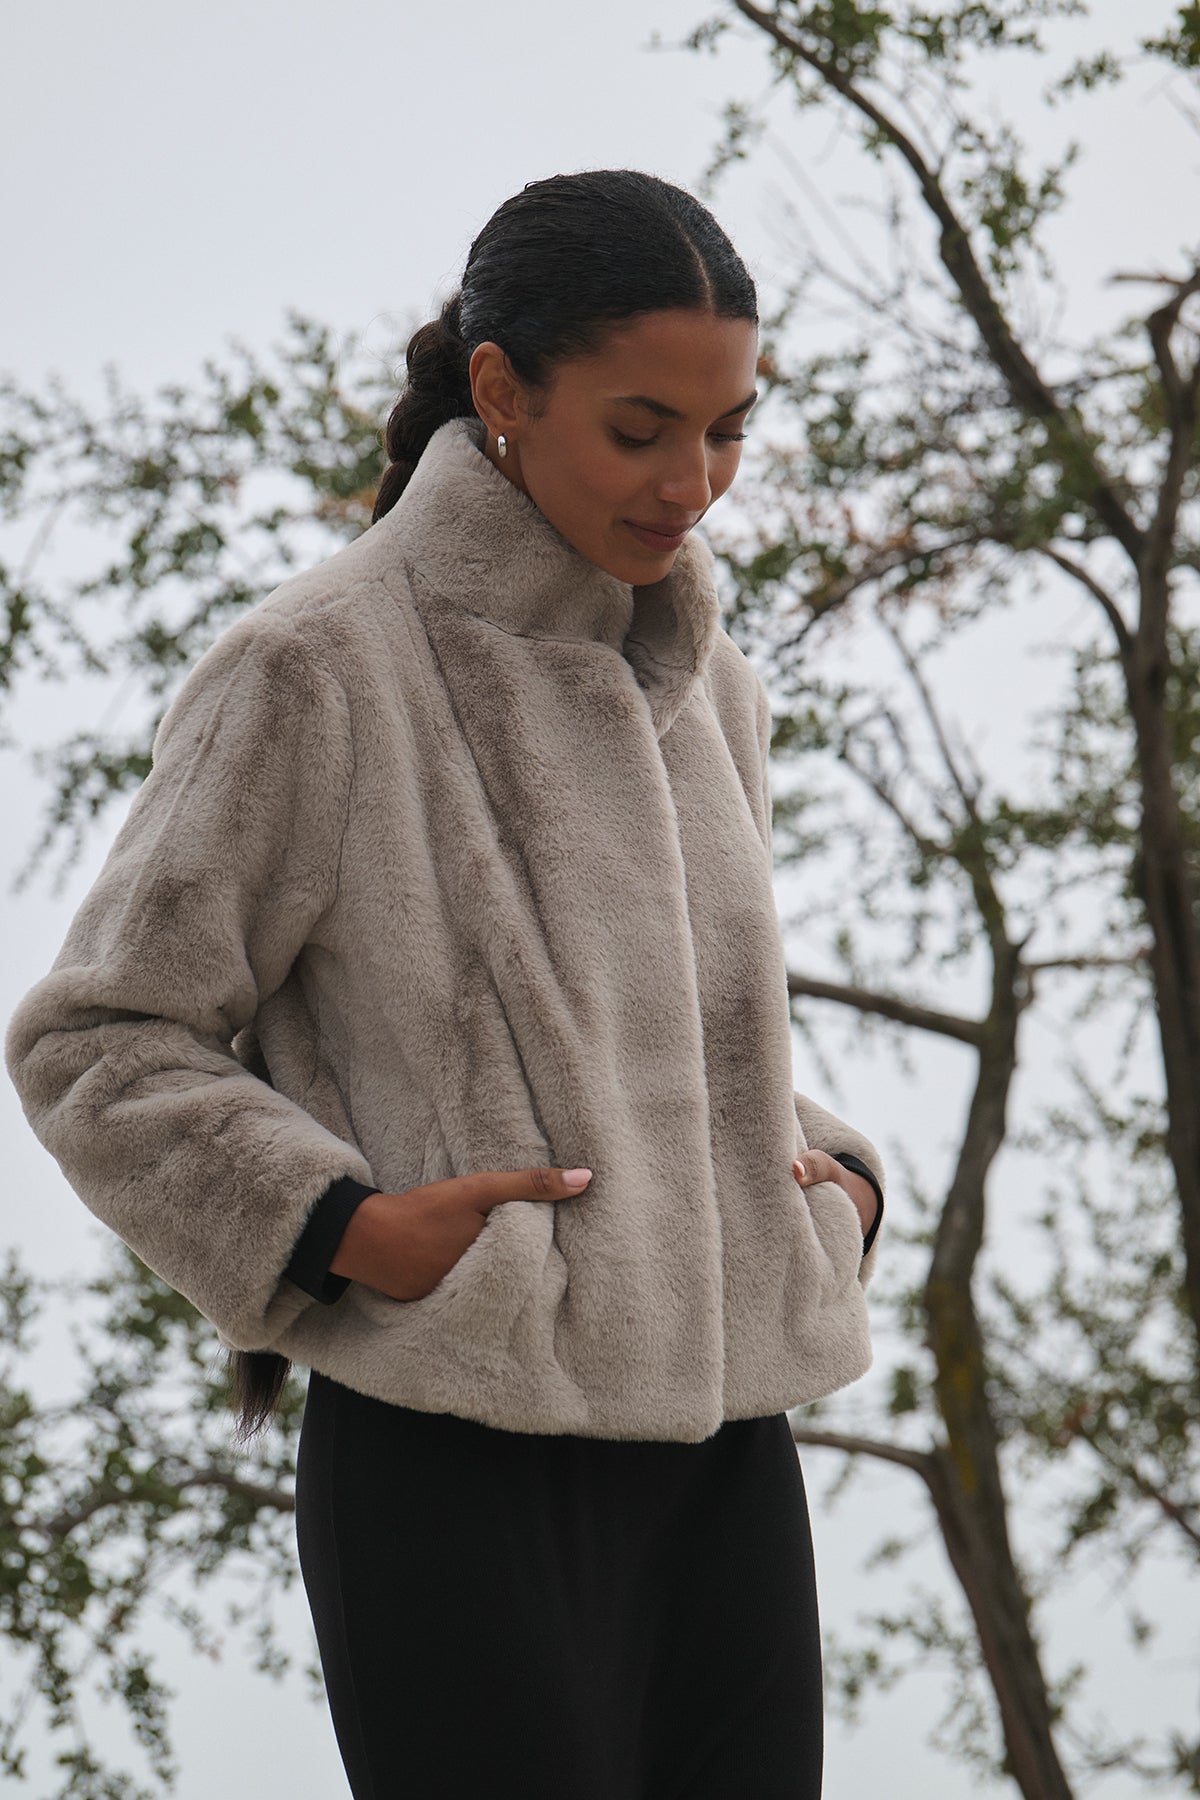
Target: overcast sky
(172,176)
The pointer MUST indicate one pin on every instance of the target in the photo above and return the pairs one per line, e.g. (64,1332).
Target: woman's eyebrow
(662,411)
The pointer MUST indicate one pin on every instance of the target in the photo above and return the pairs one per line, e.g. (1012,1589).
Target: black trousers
(555,1617)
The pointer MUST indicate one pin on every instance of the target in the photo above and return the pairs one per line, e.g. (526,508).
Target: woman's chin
(638,565)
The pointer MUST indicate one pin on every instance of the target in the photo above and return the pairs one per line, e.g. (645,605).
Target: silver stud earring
(502,444)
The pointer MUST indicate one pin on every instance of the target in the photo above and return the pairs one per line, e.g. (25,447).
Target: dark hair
(553,266)
(256,1380)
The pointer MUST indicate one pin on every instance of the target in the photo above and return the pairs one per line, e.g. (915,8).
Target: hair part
(555,267)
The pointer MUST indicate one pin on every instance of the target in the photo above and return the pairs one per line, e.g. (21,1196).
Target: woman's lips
(658,540)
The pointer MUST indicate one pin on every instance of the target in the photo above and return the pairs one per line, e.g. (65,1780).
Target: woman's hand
(403,1244)
(816,1165)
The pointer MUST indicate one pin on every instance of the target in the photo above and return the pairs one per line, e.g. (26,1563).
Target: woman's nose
(685,484)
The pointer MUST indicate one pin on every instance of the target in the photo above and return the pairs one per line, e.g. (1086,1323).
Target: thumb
(812,1166)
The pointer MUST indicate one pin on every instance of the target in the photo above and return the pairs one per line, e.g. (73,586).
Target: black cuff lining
(317,1244)
(857,1166)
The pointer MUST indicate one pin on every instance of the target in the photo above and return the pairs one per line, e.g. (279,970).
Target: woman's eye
(719,437)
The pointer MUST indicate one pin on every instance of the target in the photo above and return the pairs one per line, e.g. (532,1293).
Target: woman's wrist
(357,1253)
(323,1230)
(854,1165)
(865,1199)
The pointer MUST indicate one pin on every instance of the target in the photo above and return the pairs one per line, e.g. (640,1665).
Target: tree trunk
(1171,914)
(966,1484)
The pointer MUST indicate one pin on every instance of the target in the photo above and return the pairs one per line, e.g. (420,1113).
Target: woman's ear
(495,389)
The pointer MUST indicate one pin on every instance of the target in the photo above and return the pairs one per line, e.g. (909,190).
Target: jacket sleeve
(121,1055)
(819,1129)
(316,1247)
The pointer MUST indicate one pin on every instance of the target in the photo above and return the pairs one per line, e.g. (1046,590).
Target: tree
(123,1502)
(938,455)
(189,507)
(1103,458)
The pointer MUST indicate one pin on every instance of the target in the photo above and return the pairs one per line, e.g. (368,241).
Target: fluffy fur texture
(455,855)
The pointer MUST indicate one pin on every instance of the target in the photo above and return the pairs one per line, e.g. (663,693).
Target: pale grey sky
(172,175)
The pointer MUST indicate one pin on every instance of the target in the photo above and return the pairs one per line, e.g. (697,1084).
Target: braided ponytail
(438,388)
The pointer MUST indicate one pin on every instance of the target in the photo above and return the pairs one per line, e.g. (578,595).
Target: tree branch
(276,1499)
(1140,955)
(1161,324)
(1030,392)
(1173,1510)
(921,1462)
(104,1493)
(1180,392)
(1086,579)
(889,1006)
(926,845)
(967,793)
(887,561)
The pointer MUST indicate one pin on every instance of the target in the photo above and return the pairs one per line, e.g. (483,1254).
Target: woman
(428,1025)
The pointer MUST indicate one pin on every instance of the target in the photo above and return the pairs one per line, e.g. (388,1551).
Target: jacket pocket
(491,1279)
(838,1230)
(504,1289)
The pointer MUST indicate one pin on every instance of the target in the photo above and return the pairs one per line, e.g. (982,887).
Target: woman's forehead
(671,364)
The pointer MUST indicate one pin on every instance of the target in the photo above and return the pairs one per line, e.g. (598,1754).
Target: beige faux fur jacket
(455,855)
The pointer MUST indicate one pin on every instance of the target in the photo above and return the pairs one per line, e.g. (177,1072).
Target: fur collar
(481,542)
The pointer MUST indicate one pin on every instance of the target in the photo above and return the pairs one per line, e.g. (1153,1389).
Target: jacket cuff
(317,1244)
(857,1166)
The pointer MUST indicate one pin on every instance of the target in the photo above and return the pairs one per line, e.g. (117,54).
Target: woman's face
(646,433)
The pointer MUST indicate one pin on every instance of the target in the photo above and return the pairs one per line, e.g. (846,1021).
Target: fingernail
(799,1167)
(576,1177)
